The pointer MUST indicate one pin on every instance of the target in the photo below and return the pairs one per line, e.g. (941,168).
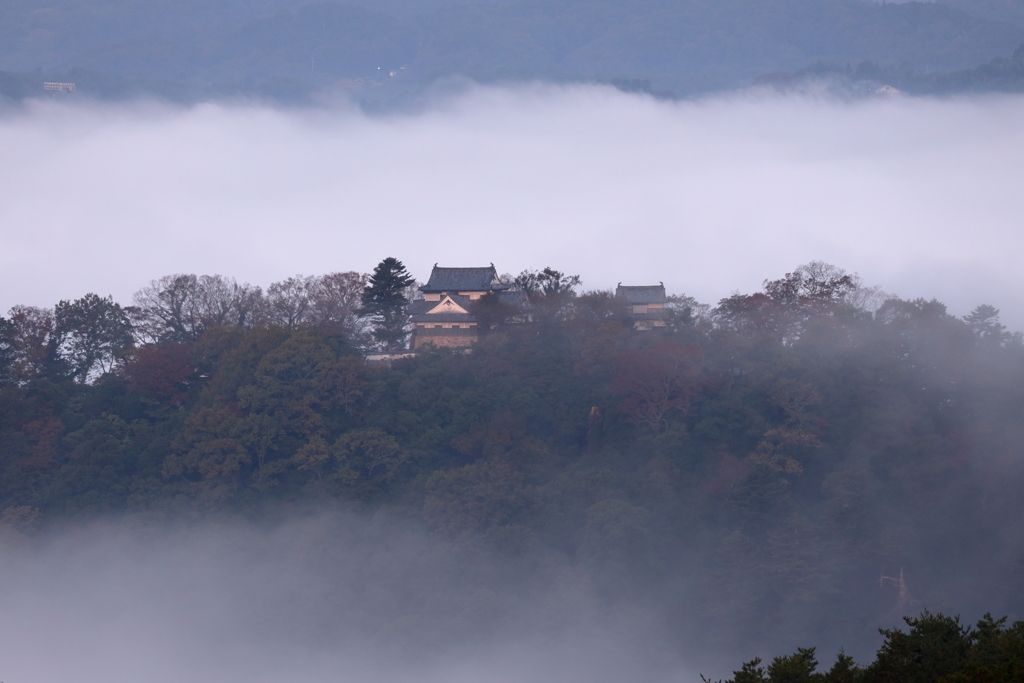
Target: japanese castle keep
(442,317)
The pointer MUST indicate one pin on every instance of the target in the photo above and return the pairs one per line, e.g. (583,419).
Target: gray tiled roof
(420,306)
(462,279)
(648,294)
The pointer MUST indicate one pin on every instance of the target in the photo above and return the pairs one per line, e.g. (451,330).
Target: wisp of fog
(920,196)
(320,597)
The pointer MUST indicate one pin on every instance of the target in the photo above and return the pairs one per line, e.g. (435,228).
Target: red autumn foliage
(162,371)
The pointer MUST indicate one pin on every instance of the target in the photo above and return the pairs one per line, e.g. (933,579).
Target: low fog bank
(319,597)
(712,196)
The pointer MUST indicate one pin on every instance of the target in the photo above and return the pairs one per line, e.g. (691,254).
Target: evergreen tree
(385,302)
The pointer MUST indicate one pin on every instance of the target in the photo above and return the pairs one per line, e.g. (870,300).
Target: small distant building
(646,304)
(442,317)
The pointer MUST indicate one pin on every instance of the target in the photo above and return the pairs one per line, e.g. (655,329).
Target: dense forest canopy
(751,469)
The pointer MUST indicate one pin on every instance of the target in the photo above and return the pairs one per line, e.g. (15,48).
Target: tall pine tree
(385,302)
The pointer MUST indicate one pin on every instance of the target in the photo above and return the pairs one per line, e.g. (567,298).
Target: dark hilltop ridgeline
(794,466)
(1001,75)
(935,647)
(293,52)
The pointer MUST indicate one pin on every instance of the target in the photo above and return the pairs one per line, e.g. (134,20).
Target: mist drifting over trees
(790,467)
(203,478)
(710,196)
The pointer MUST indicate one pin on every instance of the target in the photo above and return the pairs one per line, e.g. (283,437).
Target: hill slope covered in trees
(750,470)
(187,49)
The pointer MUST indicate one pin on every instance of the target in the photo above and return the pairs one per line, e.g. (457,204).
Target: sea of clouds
(920,196)
(711,196)
(323,597)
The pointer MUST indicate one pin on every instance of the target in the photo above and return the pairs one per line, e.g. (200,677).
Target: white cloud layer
(922,197)
(316,599)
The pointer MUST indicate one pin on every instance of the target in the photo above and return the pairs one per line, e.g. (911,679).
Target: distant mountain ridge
(685,46)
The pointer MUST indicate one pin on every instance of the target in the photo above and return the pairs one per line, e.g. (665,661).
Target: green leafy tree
(385,303)
(844,670)
(934,647)
(800,667)
(549,291)
(368,459)
(796,668)
(494,313)
(94,332)
(547,282)
(209,454)
(313,457)
(477,498)
(996,654)
(33,342)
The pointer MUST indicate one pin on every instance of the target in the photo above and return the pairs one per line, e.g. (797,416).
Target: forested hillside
(289,49)
(751,468)
(936,647)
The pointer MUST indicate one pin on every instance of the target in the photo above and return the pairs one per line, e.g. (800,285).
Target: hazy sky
(922,197)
